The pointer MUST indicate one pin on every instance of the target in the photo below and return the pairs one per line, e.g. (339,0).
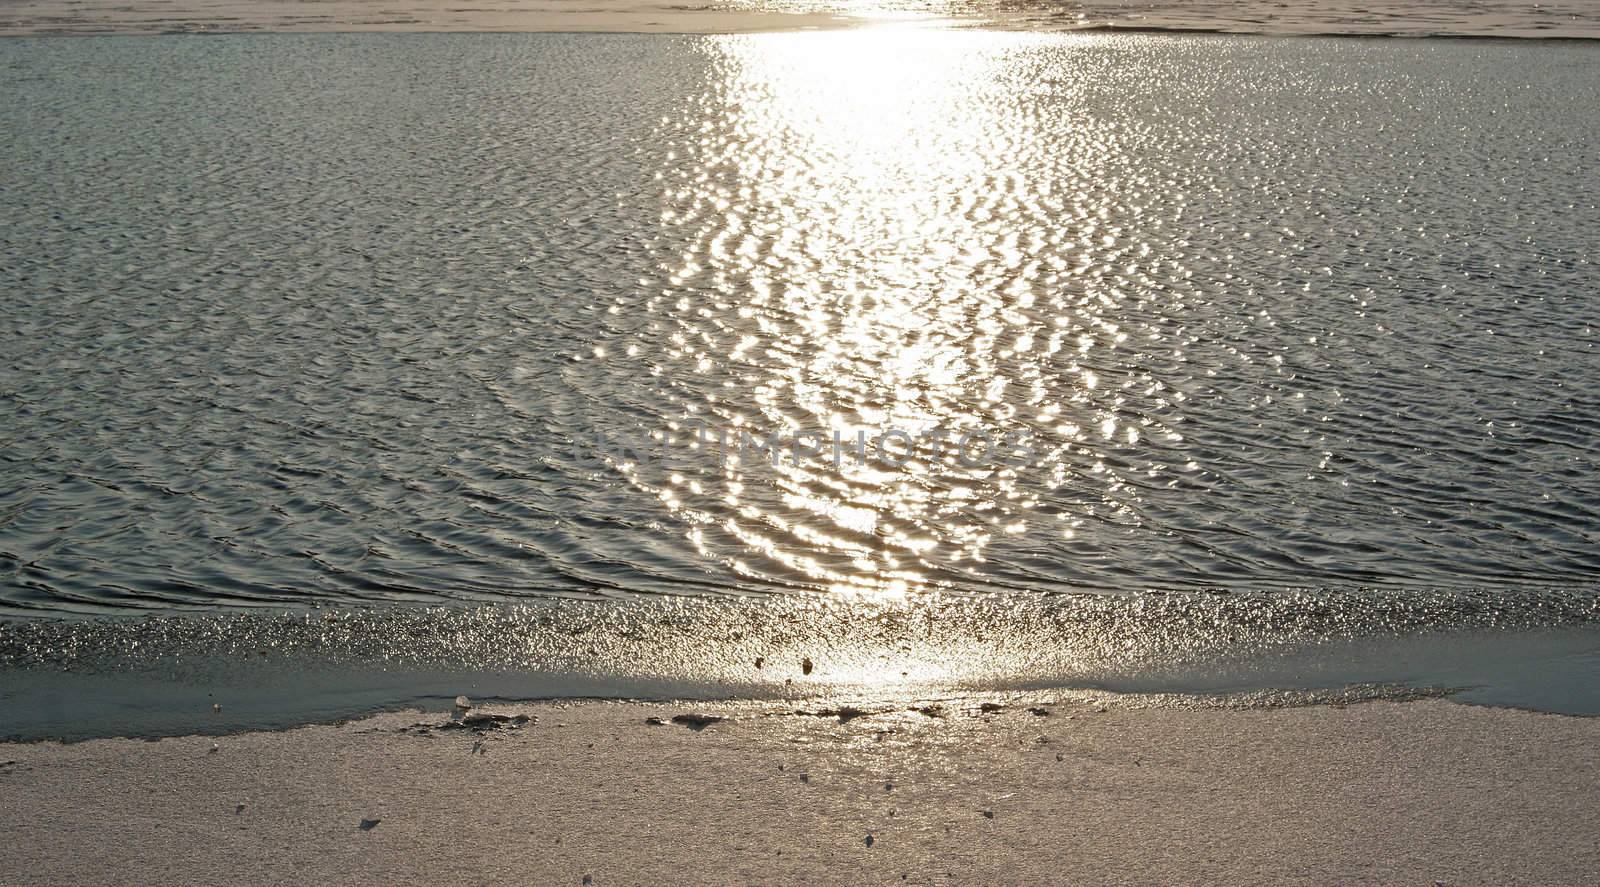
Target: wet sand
(1494,18)
(1091,793)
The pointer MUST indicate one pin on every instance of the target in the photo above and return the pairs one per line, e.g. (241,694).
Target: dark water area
(406,327)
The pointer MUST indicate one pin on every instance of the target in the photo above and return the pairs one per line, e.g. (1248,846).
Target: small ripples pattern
(340,318)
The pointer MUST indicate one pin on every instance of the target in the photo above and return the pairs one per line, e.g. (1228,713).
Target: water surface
(352,321)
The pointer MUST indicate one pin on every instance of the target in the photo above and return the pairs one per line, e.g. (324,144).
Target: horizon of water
(1297,331)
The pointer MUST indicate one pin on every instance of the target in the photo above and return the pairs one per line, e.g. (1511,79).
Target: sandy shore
(1416,18)
(1383,793)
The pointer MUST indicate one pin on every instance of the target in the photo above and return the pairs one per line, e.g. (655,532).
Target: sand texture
(1380,793)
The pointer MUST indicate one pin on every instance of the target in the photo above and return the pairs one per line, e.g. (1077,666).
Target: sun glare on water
(862,198)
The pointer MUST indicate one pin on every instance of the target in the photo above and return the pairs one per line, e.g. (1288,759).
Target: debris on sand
(760,661)
(934,710)
(990,708)
(482,723)
(988,814)
(806,666)
(1039,711)
(845,713)
(655,721)
(368,825)
(214,749)
(697,720)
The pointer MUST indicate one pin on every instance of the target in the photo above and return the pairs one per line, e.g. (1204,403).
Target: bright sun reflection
(857,220)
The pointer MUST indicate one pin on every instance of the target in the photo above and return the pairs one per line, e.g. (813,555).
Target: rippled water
(346,319)
(1299,331)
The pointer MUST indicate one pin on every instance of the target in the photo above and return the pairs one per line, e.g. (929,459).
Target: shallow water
(356,319)
(347,320)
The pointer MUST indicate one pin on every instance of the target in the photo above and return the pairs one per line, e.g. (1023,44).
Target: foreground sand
(1381,793)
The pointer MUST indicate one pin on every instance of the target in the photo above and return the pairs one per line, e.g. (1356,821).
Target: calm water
(342,320)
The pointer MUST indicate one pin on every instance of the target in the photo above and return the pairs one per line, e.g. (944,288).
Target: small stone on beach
(697,720)
(480,723)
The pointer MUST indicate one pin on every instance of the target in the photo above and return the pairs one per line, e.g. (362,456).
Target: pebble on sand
(480,723)
(697,720)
